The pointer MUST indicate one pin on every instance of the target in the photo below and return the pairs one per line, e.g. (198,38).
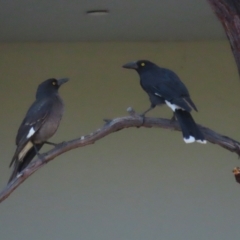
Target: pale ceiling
(129,20)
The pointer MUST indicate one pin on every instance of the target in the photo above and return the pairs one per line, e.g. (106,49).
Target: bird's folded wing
(34,119)
(175,96)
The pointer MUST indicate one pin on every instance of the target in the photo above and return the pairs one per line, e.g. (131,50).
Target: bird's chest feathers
(51,124)
(149,80)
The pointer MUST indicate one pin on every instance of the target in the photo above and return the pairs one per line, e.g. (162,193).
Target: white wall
(136,184)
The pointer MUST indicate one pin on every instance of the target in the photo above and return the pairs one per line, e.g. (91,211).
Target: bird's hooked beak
(61,81)
(131,65)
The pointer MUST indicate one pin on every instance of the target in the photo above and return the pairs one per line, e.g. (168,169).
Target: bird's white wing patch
(31,132)
(172,106)
(22,154)
(191,139)
(157,94)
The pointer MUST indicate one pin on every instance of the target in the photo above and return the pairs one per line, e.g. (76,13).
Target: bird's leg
(51,143)
(36,150)
(149,109)
(40,156)
(173,119)
(145,112)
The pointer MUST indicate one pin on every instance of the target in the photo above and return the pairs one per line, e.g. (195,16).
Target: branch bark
(228,12)
(111,126)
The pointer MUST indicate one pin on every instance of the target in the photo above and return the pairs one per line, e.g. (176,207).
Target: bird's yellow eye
(54,83)
(143,64)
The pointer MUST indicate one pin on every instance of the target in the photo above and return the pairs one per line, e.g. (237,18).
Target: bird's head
(140,65)
(49,87)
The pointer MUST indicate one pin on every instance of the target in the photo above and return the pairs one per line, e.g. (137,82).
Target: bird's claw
(173,119)
(41,157)
(142,116)
(51,143)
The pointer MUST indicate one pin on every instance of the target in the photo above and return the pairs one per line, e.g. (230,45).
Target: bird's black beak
(131,65)
(61,81)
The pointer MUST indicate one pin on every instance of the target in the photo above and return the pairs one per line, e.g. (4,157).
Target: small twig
(131,111)
(134,120)
(107,120)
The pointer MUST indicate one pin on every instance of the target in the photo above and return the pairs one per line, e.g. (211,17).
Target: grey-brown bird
(40,123)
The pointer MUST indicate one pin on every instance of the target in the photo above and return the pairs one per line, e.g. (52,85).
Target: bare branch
(109,127)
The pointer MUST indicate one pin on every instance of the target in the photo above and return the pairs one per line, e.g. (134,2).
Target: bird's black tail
(190,130)
(20,165)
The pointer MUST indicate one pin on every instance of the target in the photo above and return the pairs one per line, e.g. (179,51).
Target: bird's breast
(52,122)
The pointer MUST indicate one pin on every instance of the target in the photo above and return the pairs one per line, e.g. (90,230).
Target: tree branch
(111,126)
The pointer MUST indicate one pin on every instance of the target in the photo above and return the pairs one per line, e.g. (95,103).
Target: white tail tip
(202,141)
(191,139)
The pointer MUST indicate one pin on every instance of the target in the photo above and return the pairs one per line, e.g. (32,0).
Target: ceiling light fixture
(97,13)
